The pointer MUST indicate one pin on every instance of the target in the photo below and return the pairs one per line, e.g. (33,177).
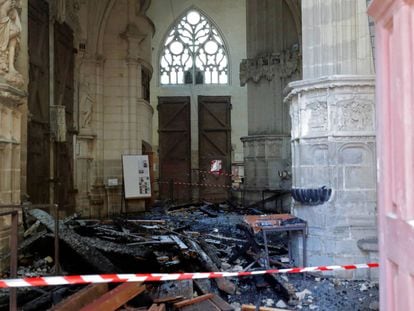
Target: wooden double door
(181,179)
(49,163)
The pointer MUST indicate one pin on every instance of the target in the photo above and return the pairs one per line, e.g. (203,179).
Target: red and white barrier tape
(217,173)
(194,184)
(159,277)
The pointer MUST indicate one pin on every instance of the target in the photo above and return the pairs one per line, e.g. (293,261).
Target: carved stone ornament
(356,116)
(282,64)
(134,37)
(87,102)
(318,120)
(10,33)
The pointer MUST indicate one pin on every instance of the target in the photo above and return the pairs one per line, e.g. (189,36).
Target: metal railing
(14,213)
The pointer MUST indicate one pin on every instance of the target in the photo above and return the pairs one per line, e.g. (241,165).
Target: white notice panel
(137,182)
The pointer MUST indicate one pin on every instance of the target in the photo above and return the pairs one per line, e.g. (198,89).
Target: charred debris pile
(201,237)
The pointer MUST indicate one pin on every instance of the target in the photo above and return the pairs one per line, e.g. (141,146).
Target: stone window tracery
(194,53)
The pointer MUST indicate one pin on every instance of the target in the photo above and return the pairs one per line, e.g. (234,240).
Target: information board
(137,183)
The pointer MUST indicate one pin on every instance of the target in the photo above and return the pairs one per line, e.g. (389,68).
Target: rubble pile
(193,238)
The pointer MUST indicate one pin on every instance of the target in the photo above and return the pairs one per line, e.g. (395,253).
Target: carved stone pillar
(333,145)
(89,125)
(333,132)
(13,109)
(134,37)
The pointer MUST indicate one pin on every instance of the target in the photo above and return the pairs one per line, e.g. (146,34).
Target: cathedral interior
(135,134)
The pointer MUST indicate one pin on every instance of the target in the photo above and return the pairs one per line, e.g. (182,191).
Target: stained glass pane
(194,53)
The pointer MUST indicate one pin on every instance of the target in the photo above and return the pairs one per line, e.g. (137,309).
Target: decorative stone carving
(264,157)
(318,119)
(282,64)
(355,116)
(134,37)
(333,145)
(10,33)
(87,102)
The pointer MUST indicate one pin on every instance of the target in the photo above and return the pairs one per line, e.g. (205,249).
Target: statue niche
(87,103)
(10,32)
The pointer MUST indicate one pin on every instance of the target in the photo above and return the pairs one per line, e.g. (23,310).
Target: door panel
(38,147)
(395,150)
(174,147)
(64,93)
(214,144)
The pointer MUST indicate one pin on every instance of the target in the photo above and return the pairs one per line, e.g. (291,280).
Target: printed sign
(216,167)
(137,183)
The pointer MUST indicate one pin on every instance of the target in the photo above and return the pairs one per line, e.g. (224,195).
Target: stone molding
(281,64)
(146,104)
(11,96)
(134,38)
(332,106)
(326,83)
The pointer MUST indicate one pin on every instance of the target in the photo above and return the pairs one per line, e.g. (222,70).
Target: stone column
(333,133)
(273,60)
(13,109)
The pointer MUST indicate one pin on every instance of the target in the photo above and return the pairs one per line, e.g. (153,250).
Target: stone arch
(295,9)
(212,22)
(103,20)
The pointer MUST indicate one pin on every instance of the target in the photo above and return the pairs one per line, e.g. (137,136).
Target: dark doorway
(38,147)
(214,144)
(174,148)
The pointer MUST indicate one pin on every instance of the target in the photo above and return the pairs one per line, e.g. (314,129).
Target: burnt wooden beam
(81,298)
(115,298)
(208,264)
(76,242)
(192,301)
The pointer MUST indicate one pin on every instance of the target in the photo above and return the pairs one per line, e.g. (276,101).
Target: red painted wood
(395,149)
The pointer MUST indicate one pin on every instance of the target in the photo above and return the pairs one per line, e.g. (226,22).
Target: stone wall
(333,145)
(274,59)
(115,118)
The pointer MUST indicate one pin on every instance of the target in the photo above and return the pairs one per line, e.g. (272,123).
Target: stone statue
(86,107)
(10,32)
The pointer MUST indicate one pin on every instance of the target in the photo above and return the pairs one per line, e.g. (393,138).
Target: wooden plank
(168,299)
(116,297)
(206,305)
(180,243)
(208,264)
(253,308)
(203,286)
(156,307)
(81,298)
(221,304)
(188,302)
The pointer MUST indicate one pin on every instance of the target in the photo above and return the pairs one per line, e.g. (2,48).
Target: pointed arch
(194,51)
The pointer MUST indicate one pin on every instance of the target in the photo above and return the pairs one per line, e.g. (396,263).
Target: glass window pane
(194,40)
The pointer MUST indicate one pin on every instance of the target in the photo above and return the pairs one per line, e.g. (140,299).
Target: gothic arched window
(194,53)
